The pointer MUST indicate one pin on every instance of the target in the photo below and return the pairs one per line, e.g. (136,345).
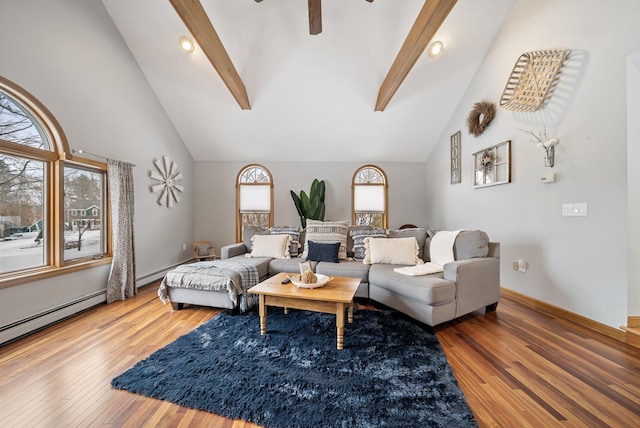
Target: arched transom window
(254,198)
(52,204)
(369,197)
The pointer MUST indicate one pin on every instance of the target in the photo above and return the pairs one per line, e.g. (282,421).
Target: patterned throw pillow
(358,240)
(327,232)
(294,233)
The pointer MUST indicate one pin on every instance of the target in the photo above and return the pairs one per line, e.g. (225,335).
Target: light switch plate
(579,209)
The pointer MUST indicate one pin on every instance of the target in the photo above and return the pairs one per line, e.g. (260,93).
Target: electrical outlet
(184,247)
(515,265)
(522,265)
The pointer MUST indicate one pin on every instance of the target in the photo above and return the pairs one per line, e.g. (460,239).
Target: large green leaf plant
(310,206)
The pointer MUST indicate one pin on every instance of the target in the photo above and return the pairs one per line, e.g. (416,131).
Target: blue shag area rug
(391,373)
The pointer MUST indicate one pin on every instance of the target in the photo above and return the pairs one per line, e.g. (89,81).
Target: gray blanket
(235,277)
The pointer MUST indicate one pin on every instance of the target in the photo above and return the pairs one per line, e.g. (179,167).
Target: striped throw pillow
(327,232)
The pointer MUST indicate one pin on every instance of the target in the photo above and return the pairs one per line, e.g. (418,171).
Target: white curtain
(122,278)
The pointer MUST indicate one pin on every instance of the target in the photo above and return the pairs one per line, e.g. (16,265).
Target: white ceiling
(312,97)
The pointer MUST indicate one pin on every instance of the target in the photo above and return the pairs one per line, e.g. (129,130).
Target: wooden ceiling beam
(430,18)
(315,17)
(195,18)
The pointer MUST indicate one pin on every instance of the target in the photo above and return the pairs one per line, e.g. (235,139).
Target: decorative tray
(321,281)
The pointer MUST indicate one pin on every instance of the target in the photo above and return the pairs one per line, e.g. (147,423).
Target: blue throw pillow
(321,252)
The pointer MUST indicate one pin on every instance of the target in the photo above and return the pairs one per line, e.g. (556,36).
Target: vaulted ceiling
(292,80)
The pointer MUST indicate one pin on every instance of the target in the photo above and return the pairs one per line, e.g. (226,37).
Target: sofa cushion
(399,251)
(347,268)
(291,265)
(249,231)
(275,246)
(326,232)
(419,233)
(471,244)
(294,233)
(261,263)
(321,252)
(358,236)
(427,289)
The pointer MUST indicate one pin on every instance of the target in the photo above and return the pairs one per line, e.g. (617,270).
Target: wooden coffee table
(333,298)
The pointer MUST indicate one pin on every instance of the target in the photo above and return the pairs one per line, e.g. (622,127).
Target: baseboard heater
(21,328)
(36,322)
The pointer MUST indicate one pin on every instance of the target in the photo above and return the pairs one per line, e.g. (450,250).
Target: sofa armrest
(232,250)
(477,283)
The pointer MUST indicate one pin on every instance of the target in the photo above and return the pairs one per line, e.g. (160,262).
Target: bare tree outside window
(46,223)
(22,189)
(83,196)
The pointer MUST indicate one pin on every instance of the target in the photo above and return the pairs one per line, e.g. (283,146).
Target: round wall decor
(166,176)
(480,117)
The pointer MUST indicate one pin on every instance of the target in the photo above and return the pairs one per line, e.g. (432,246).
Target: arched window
(254,198)
(42,188)
(369,197)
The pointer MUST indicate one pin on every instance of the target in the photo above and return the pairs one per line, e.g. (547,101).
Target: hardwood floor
(517,367)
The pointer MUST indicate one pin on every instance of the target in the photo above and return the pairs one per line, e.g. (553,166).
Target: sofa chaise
(469,282)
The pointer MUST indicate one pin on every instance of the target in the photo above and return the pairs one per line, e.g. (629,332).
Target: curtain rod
(84,152)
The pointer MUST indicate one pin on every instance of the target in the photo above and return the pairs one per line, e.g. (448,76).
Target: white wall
(576,263)
(215,194)
(633,180)
(69,55)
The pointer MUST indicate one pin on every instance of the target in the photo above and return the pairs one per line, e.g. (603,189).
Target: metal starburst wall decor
(167,178)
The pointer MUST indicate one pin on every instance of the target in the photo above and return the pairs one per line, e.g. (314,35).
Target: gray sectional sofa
(469,283)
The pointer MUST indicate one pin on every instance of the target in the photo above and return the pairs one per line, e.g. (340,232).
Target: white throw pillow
(275,246)
(394,251)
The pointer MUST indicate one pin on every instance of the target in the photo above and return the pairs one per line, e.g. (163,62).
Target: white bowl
(320,281)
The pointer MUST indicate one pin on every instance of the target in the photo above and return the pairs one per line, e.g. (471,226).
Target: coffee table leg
(340,324)
(350,313)
(263,315)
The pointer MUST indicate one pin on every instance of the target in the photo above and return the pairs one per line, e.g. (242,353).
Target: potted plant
(310,206)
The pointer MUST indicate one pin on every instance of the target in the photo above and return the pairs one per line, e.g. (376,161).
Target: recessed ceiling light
(435,48)
(186,44)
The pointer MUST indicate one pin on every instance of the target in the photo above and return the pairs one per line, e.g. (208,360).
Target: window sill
(48,272)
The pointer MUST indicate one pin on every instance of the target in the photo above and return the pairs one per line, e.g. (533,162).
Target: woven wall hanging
(532,80)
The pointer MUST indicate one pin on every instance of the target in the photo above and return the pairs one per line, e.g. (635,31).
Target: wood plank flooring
(517,367)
